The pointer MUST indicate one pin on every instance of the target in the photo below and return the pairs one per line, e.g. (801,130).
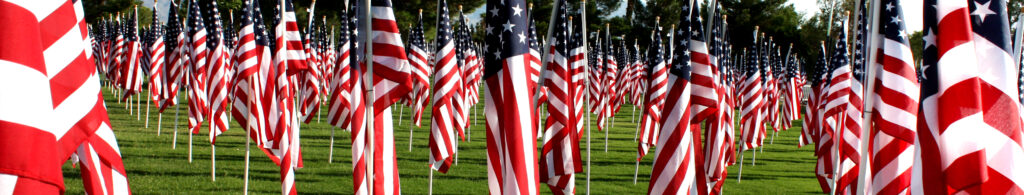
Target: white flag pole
(330,155)
(586,71)
(147,110)
(159,122)
(865,157)
(841,121)
(368,76)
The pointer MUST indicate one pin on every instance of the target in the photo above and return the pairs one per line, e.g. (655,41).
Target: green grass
(155,168)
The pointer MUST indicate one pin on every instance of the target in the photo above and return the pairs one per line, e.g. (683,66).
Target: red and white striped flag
(50,102)
(289,59)
(511,139)
(251,94)
(421,70)
(218,70)
(750,102)
(197,99)
(177,58)
(446,84)
(560,154)
(675,162)
(895,104)
(845,93)
(131,67)
(340,101)
(970,131)
(157,86)
(650,121)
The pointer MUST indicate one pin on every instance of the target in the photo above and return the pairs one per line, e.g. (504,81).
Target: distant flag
(218,64)
(751,100)
(157,82)
(421,70)
(340,101)
(250,104)
(198,107)
(177,57)
(289,60)
(131,68)
(511,142)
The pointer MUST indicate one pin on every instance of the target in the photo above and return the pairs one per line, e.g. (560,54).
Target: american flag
(197,104)
(458,100)
(639,77)
(470,68)
(310,78)
(131,67)
(719,140)
(560,154)
(218,64)
(251,94)
(446,87)
(289,59)
(969,122)
(391,82)
(650,121)
(116,56)
(177,57)
(847,80)
(611,75)
(511,139)
(595,80)
(55,80)
(577,60)
(704,96)
(895,106)
(156,61)
(418,59)
(340,101)
(674,159)
(751,100)
(358,101)
(824,136)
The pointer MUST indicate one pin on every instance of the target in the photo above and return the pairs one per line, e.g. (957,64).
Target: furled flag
(289,60)
(650,121)
(339,112)
(421,70)
(895,104)
(50,78)
(459,106)
(675,164)
(197,105)
(218,64)
(177,57)
(131,67)
(560,154)
(577,60)
(358,104)
(970,133)
(446,85)
(156,61)
(511,143)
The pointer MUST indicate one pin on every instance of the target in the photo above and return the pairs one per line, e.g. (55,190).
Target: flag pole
(739,175)
(430,183)
(159,122)
(368,60)
(245,180)
(865,157)
(330,155)
(174,144)
(401,113)
(147,109)
(608,104)
(586,71)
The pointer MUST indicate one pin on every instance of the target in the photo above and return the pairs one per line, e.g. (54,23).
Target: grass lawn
(154,167)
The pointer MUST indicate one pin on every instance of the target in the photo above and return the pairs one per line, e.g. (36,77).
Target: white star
(522,38)
(982,10)
(517,10)
(889,6)
(508,26)
(896,20)
(489,29)
(903,34)
(929,38)
(497,54)
(494,12)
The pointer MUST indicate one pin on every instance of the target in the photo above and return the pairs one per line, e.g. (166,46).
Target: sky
(911,11)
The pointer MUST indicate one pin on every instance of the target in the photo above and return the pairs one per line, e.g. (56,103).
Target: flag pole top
(725,16)
(530,6)
(607,25)
(673,26)
(570,18)
(460,7)
(657,19)
(421,12)
(314,2)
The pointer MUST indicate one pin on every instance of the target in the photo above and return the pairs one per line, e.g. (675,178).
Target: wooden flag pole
(177,108)
(138,108)
(430,183)
(330,155)
(739,175)
(147,110)
(245,180)
(773,136)
(401,112)
(410,136)
(159,122)
(189,145)
(753,160)
(128,105)
(636,171)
